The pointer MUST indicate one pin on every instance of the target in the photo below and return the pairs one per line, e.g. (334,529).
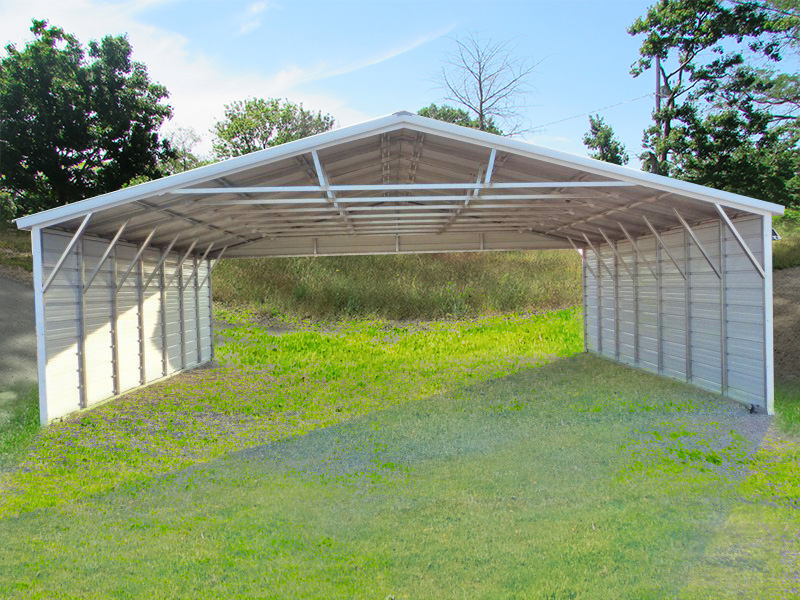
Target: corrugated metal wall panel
(685,328)
(138,328)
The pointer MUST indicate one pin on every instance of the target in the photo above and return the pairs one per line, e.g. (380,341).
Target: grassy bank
(786,251)
(424,286)
(15,247)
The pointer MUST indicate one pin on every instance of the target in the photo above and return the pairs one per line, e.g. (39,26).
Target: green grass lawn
(444,460)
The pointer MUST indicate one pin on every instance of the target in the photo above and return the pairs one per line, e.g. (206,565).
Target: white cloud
(199,84)
(250,18)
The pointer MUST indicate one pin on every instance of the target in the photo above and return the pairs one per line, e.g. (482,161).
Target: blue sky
(359,59)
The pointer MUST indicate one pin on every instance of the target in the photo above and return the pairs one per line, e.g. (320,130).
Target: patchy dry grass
(422,286)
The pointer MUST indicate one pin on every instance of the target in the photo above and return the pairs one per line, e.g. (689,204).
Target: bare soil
(786,307)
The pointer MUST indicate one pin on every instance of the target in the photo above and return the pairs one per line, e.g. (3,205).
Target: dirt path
(17,333)
(786,307)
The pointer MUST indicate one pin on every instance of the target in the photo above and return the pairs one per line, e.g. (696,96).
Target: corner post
(37,246)
(769,370)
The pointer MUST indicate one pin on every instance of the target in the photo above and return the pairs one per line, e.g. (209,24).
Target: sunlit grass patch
(272,387)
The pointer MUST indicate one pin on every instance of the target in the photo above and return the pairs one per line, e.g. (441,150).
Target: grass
(786,251)
(15,247)
(19,421)
(422,286)
(575,479)
(271,388)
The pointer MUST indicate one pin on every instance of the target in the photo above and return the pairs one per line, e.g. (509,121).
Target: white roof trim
(382,125)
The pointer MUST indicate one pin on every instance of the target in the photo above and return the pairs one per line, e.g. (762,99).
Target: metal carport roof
(677,277)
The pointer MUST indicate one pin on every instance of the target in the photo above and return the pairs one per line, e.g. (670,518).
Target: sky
(360,60)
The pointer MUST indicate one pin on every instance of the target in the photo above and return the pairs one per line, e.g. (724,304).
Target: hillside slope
(422,286)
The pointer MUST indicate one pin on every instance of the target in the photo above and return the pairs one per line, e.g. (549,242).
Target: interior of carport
(676,276)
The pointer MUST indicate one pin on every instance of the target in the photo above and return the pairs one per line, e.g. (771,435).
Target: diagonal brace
(76,236)
(136,258)
(110,247)
(639,254)
(179,266)
(740,240)
(697,243)
(583,258)
(614,250)
(597,254)
(664,246)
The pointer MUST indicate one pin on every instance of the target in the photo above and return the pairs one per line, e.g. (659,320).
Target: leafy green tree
(606,146)
(75,123)
(722,121)
(458,116)
(256,123)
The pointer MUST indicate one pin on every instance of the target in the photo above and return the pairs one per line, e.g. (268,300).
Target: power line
(591,112)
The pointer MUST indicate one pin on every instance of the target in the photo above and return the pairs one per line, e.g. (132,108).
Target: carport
(677,277)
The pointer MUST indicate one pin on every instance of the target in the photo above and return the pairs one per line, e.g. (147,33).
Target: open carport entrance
(677,277)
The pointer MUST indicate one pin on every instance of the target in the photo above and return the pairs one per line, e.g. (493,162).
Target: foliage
(256,123)
(726,121)
(422,286)
(606,146)
(508,488)
(458,116)
(76,122)
(484,77)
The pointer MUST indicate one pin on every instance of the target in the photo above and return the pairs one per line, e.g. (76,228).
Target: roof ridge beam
(276,189)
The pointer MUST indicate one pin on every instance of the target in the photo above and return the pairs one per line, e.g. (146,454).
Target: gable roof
(401,173)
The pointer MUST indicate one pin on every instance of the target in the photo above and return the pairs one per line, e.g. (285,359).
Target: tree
(485,78)
(75,123)
(718,111)
(448,114)
(183,141)
(601,139)
(256,123)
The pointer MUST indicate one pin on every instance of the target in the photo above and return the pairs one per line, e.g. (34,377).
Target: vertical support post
(659,315)
(687,306)
(162,292)
(114,325)
(140,317)
(212,342)
(723,308)
(599,306)
(197,309)
(769,371)
(37,248)
(179,269)
(616,303)
(635,256)
(585,305)
(81,308)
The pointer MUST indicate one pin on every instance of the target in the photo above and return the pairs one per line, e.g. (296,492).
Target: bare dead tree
(484,77)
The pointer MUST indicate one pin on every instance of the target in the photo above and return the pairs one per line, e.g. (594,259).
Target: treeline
(80,121)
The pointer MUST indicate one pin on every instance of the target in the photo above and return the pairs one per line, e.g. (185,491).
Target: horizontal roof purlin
(257,201)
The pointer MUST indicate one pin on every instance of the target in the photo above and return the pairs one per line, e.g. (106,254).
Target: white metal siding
(124,336)
(706,330)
